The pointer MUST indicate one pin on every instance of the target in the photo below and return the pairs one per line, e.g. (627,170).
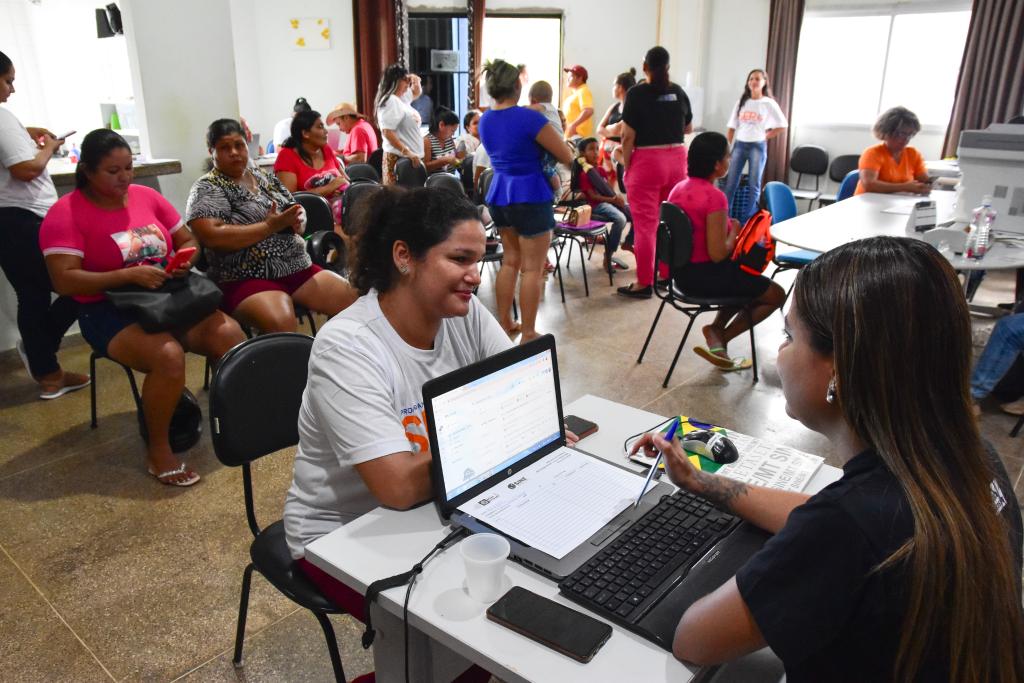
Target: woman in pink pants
(655,117)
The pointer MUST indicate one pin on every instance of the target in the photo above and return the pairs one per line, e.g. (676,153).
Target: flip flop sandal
(713,356)
(179,470)
(738,364)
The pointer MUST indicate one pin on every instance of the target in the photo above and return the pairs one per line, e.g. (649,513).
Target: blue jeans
(756,153)
(606,211)
(1005,344)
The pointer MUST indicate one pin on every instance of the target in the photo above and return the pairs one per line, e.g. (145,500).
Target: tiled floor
(108,576)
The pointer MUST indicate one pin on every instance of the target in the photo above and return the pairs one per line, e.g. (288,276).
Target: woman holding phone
(399,122)
(26,194)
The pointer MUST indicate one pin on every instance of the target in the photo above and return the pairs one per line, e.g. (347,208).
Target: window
(535,42)
(852,68)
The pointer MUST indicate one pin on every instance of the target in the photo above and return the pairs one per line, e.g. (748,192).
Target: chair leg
(312,322)
(650,333)
(753,345)
(206,375)
(1016,427)
(134,386)
(92,389)
(679,349)
(558,271)
(515,309)
(332,646)
(243,611)
(583,266)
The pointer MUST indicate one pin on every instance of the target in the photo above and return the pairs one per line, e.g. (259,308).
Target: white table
(872,215)
(448,626)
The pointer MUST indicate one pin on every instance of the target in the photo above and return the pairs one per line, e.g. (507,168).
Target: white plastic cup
(484,556)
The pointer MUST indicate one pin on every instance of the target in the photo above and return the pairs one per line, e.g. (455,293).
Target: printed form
(558,502)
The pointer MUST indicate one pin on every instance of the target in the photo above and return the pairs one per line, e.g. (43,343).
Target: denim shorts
(529,220)
(100,322)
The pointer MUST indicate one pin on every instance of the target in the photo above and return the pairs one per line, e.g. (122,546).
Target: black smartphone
(580,427)
(551,624)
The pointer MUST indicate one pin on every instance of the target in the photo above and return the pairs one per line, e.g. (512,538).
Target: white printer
(992,162)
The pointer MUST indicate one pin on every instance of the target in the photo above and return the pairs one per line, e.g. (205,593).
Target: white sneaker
(69,381)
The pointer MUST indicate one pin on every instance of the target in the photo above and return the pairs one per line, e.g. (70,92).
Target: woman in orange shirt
(893,166)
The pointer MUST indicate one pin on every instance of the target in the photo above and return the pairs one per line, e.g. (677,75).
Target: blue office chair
(270,148)
(848,186)
(782,206)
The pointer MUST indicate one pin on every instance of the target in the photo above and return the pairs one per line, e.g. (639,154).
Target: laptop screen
(493,422)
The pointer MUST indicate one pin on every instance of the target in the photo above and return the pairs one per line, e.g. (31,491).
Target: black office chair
(566,236)
(353,194)
(446,181)
(318,212)
(837,171)
(376,161)
(254,411)
(408,175)
(328,250)
(486,176)
(674,246)
(358,173)
(809,160)
(92,385)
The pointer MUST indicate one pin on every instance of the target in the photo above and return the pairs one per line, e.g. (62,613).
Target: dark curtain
(783,40)
(990,88)
(475,15)
(375,47)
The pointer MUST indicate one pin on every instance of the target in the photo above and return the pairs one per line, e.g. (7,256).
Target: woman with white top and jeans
(398,121)
(26,194)
(754,121)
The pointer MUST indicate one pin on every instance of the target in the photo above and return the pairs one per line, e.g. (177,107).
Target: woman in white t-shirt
(399,123)
(754,121)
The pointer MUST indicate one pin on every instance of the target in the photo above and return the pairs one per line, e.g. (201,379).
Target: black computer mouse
(714,446)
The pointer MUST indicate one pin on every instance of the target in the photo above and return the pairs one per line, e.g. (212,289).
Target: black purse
(177,303)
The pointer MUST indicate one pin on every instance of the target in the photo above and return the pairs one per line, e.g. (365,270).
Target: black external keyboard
(629,576)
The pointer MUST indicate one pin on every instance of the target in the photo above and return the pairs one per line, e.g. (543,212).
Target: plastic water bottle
(982,220)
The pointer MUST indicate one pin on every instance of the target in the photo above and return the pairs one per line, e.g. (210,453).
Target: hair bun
(632,71)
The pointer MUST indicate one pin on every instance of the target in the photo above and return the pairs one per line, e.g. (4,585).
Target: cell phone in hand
(551,624)
(66,135)
(580,427)
(180,258)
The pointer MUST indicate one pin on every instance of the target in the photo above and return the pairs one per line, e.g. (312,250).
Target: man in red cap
(578,107)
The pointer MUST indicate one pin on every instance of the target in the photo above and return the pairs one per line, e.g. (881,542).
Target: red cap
(577,70)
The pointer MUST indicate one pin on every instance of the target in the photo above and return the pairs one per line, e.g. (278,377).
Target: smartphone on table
(551,624)
(580,427)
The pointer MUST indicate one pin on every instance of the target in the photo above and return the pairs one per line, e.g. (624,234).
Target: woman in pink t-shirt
(711,270)
(306,163)
(109,233)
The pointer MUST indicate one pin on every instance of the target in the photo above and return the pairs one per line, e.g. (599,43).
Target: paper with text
(558,502)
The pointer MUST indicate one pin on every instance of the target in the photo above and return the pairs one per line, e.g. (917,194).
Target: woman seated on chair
(306,163)
(109,233)
(711,271)
(362,436)
(894,166)
(251,230)
(439,153)
(908,568)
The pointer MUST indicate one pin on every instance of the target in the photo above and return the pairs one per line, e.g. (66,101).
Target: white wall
(736,42)
(271,75)
(183,71)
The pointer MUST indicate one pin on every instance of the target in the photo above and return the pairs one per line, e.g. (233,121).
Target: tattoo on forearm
(721,491)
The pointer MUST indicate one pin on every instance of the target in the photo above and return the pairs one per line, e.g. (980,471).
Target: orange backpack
(755,247)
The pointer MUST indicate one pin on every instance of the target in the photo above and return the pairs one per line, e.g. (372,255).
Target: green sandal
(714,355)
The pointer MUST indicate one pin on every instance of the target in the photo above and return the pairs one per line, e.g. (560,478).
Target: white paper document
(767,464)
(558,502)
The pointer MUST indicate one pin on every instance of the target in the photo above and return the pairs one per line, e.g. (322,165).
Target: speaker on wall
(108,22)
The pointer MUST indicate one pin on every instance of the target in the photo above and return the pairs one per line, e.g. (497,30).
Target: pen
(657,461)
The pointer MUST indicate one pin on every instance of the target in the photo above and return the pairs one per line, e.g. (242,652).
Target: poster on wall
(310,34)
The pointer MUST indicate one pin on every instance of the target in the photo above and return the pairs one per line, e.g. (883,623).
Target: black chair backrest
(841,165)
(360,172)
(446,181)
(485,183)
(353,194)
(408,175)
(255,397)
(318,212)
(809,159)
(675,237)
(327,250)
(376,161)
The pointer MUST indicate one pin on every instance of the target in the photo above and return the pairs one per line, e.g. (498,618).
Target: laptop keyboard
(632,574)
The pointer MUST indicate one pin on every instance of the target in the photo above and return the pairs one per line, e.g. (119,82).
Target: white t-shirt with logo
(17,146)
(756,117)
(398,115)
(364,400)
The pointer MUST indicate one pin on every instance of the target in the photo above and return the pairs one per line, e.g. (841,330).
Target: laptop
(501,465)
